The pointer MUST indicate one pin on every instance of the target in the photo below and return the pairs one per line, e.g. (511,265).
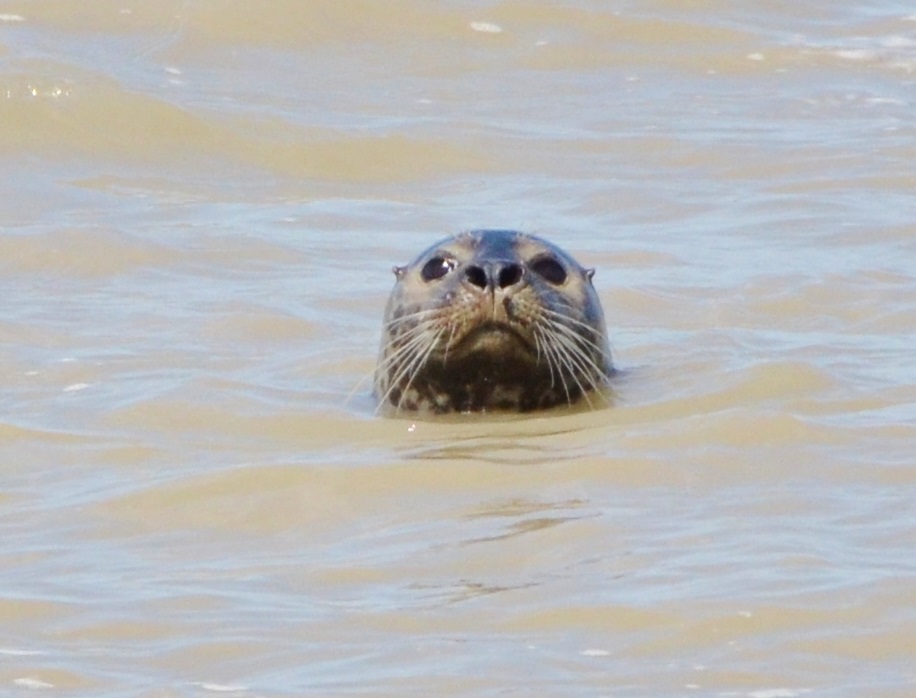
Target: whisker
(416,316)
(405,360)
(568,320)
(581,341)
(578,355)
(573,362)
(417,364)
(449,341)
(553,360)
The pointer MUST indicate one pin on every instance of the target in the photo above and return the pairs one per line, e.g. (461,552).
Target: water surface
(202,204)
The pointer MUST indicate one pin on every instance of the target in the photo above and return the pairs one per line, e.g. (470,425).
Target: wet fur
(449,344)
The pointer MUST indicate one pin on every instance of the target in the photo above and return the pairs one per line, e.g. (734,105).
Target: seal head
(492,319)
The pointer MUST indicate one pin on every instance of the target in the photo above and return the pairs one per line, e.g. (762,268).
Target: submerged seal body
(492,319)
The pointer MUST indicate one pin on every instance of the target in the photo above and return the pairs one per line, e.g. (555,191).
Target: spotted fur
(492,320)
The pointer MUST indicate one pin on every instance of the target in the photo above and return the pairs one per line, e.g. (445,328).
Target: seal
(492,320)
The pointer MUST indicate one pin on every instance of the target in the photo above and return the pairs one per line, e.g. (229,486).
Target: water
(202,204)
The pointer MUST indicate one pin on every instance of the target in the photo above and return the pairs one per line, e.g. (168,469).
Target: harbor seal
(492,320)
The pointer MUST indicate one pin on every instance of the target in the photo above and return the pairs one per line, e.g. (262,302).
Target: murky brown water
(201,205)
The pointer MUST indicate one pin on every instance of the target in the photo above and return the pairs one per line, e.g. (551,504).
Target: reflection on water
(202,206)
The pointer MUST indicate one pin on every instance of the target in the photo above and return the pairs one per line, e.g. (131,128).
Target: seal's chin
(494,339)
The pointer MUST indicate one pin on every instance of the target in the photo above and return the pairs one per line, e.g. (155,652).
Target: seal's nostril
(476,276)
(509,275)
(497,275)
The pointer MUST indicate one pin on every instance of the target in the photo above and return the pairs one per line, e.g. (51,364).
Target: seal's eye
(436,268)
(549,269)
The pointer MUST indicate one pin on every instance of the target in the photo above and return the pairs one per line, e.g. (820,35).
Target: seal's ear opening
(399,272)
(590,274)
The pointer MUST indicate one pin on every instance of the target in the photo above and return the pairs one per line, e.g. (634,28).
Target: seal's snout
(493,275)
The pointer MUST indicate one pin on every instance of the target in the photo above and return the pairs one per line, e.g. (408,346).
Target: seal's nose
(494,275)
